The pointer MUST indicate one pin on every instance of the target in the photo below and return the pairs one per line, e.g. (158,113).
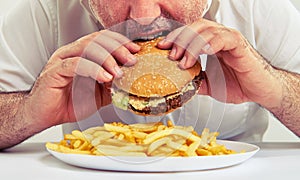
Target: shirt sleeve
(28,37)
(277,25)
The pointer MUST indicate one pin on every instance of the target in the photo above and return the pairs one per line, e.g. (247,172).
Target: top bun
(154,74)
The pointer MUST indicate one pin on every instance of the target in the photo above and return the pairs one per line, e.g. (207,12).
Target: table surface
(32,161)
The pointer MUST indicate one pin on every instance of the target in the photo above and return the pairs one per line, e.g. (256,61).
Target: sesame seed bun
(155,74)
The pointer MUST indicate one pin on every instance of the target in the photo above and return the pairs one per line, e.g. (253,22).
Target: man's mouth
(151,35)
(135,31)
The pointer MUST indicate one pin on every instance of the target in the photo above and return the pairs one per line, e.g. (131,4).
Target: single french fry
(88,137)
(64,149)
(92,130)
(52,146)
(78,134)
(156,144)
(177,146)
(164,151)
(191,151)
(203,152)
(139,135)
(185,128)
(104,134)
(119,129)
(84,146)
(156,135)
(69,137)
(77,144)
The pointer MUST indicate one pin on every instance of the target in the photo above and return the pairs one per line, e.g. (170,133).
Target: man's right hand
(70,87)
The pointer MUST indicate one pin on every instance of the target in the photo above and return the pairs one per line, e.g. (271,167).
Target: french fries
(153,139)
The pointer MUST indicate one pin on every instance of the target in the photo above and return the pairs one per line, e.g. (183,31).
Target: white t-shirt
(32,31)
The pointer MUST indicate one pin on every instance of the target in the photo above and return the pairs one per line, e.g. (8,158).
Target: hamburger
(155,85)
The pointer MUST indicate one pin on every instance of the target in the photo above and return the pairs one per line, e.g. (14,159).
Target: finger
(182,42)
(195,48)
(102,57)
(75,48)
(116,49)
(214,46)
(236,43)
(167,42)
(131,46)
(124,56)
(196,27)
(83,67)
(224,39)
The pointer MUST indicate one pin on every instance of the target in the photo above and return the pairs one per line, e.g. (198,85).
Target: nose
(144,11)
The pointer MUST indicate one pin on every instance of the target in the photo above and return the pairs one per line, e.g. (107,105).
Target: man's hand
(74,77)
(71,87)
(248,76)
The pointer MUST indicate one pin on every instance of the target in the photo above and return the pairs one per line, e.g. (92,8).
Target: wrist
(30,113)
(273,92)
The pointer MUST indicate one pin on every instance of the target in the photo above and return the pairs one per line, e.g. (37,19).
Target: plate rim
(138,167)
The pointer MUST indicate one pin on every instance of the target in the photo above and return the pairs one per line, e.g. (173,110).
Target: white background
(276,131)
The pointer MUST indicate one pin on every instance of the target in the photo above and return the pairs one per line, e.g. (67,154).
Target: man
(52,52)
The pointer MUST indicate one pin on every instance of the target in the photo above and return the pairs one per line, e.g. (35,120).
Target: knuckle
(108,61)
(120,52)
(68,64)
(192,52)
(180,42)
(79,45)
(236,33)
(239,38)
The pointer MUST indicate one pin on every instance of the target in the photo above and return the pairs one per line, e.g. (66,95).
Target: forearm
(288,110)
(14,126)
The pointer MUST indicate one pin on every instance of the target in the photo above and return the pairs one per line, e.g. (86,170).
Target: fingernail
(107,75)
(136,46)
(182,62)
(118,71)
(132,58)
(173,52)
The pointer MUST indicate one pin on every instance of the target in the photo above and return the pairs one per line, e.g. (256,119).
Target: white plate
(161,164)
